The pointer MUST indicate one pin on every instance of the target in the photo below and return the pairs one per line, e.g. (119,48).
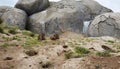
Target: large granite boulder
(107,24)
(66,15)
(13,16)
(32,6)
(94,9)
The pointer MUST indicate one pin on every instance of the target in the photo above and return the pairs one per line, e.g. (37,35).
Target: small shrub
(81,50)
(1,21)
(5,45)
(68,55)
(28,33)
(118,47)
(1,30)
(8,44)
(8,29)
(104,54)
(16,38)
(12,31)
(110,41)
(31,42)
(78,52)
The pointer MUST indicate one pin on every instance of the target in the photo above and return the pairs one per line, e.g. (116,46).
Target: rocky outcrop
(94,9)
(105,24)
(65,15)
(60,17)
(32,6)
(13,16)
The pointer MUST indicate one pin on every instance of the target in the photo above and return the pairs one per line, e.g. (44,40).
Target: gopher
(54,36)
(41,36)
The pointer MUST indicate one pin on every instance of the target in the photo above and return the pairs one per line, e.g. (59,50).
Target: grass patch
(28,33)
(16,38)
(8,29)
(1,20)
(12,38)
(68,55)
(81,50)
(111,41)
(1,30)
(7,44)
(12,31)
(104,54)
(30,41)
(77,53)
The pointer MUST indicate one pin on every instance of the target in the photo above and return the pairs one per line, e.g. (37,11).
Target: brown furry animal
(54,36)
(41,36)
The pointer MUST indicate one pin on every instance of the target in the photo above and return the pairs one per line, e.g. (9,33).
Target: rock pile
(42,16)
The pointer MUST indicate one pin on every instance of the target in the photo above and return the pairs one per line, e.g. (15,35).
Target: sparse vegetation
(78,52)
(8,44)
(28,33)
(5,45)
(15,38)
(12,31)
(118,46)
(104,54)
(1,30)
(111,41)
(81,50)
(1,20)
(8,29)
(31,42)
(68,55)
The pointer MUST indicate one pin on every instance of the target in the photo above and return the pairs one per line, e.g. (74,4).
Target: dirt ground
(51,55)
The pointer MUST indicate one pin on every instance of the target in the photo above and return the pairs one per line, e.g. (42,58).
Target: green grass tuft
(68,55)
(1,30)
(28,33)
(104,54)
(111,41)
(81,50)
(13,31)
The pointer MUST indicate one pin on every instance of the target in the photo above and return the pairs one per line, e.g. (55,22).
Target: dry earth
(23,51)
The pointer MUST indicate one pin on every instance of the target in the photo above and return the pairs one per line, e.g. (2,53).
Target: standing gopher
(54,36)
(41,36)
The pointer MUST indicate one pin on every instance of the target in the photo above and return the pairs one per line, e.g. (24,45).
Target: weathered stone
(32,6)
(60,17)
(94,9)
(105,25)
(13,16)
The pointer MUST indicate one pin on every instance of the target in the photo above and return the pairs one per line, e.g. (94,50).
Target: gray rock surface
(32,6)
(59,17)
(13,16)
(94,9)
(65,15)
(105,25)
